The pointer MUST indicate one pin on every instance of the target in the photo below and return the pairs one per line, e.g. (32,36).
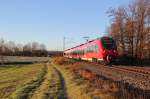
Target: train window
(95,48)
(90,48)
(108,43)
(87,49)
(84,50)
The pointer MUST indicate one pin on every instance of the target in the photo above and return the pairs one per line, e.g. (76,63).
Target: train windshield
(108,43)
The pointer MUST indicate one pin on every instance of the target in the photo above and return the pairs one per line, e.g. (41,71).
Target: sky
(49,21)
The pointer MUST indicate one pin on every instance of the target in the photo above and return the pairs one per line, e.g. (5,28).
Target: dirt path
(53,87)
(62,85)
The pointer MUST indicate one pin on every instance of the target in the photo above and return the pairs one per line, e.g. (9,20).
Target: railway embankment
(77,86)
(111,81)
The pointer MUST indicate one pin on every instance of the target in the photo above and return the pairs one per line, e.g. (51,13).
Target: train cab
(109,49)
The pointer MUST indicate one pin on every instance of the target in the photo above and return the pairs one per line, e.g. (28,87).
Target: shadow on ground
(62,91)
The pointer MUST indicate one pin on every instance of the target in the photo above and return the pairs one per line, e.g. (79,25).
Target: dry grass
(27,90)
(99,86)
(14,76)
(62,61)
(74,84)
(82,84)
(41,92)
(52,87)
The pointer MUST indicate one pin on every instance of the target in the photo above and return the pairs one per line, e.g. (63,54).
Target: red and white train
(99,50)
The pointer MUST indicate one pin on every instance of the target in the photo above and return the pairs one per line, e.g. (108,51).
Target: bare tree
(42,47)
(131,28)
(1,50)
(27,49)
(10,48)
(117,26)
(35,46)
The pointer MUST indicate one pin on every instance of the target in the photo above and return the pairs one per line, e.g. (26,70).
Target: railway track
(128,81)
(143,71)
(135,76)
(139,70)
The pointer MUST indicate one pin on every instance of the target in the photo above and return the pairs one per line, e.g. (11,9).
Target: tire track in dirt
(27,91)
(53,87)
(75,87)
(62,88)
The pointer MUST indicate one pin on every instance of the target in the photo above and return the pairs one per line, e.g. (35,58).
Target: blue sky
(48,21)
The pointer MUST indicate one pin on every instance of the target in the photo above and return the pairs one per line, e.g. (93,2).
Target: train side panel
(96,50)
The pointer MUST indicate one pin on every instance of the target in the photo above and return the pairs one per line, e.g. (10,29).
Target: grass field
(52,80)
(22,59)
(13,77)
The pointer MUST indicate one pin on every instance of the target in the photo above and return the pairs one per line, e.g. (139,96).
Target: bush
(63,61)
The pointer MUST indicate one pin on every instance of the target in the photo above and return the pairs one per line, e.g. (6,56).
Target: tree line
(10,48)
(130,27)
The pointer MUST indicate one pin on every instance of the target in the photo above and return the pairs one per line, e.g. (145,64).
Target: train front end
(109,50)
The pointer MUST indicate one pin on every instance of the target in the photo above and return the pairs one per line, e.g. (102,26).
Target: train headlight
(114,51)
(104,51)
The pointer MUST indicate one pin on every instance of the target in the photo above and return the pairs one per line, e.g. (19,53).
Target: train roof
(89,42)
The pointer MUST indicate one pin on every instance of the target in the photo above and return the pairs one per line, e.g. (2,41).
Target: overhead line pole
(64,41)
